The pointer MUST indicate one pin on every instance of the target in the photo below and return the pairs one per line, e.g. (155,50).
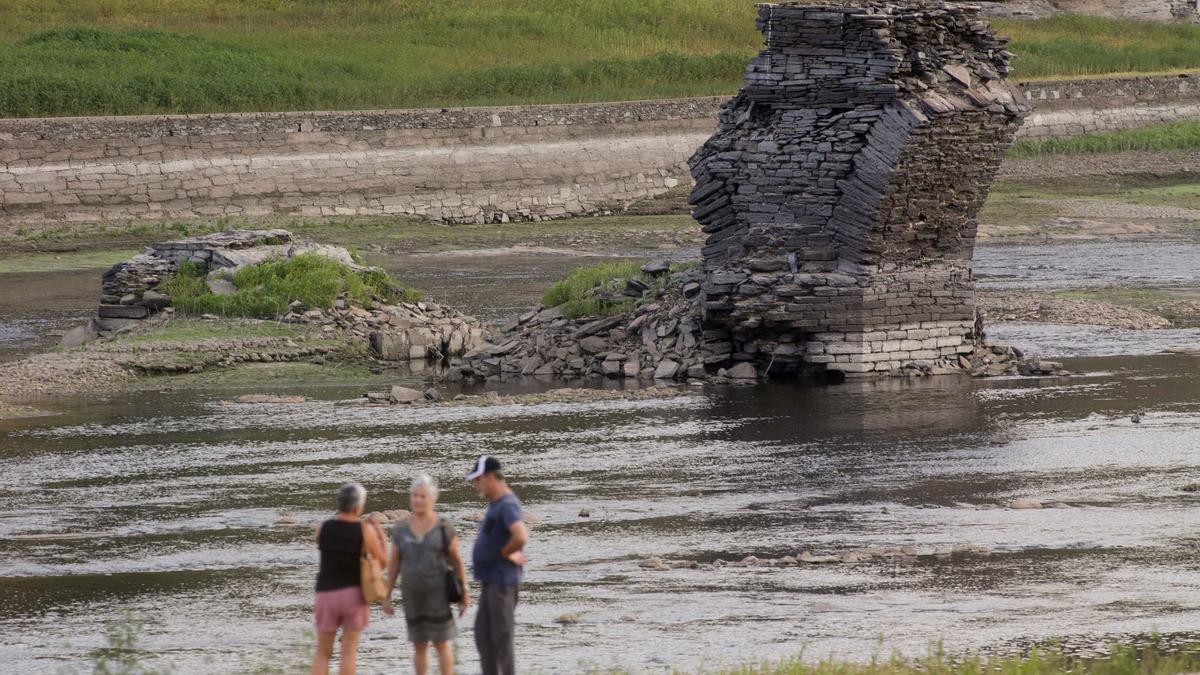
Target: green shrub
(265,290)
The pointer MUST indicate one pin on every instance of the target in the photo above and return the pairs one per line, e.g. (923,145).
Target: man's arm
(513,551)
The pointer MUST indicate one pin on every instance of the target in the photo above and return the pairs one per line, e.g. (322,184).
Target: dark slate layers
(840,191)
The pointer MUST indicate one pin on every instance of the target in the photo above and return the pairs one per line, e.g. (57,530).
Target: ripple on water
(170,511)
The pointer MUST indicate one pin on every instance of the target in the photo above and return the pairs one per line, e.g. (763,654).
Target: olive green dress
(423,565)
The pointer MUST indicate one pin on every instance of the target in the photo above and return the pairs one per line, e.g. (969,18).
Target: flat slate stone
(122,312)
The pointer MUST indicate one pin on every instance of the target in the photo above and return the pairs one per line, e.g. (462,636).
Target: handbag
(374,588)
(454,584)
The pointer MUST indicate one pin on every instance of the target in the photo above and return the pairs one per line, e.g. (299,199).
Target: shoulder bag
(454,584)
(374,587)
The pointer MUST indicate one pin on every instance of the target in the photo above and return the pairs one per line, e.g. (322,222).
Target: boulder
(78,336)
(636,288)
(593,344)
(156,301)
(743,371)
(666,370)
(1025,503)
(390,346)
(612,368)
(405,395)
(657,267)
(122,312)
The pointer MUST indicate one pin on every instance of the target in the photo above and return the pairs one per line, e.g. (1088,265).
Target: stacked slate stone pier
(840,191)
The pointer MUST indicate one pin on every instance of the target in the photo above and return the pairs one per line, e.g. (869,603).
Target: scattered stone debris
(663,339)
(659,340)
(1191,487)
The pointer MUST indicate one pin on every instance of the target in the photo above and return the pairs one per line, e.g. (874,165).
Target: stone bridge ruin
(840,190)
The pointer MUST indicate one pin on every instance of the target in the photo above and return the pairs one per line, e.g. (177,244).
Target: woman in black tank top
(339,602)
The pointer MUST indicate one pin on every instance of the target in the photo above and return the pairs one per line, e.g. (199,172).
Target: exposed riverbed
(165,503)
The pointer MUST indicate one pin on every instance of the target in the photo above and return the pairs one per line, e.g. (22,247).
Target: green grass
(89,57)
(187,329)
(1123,660)
(1183,135)
(1071,45)
(594,290)
(63,262)
(597,290)
(73,57)
(265,290)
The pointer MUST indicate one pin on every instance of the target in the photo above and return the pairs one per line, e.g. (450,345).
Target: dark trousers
(494,629)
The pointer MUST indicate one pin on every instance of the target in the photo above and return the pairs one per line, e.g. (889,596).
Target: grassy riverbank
(82,57)
(1183,135)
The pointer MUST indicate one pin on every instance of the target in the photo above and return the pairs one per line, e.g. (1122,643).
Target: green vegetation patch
(63,262)
(86,57)
(77,57)
(1072,45)
(265,290)
(1184,135)
(90,71)
(1122,660)
(187,329)
(598,290)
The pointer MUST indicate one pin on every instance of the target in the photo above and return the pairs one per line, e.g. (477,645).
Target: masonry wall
(454,165)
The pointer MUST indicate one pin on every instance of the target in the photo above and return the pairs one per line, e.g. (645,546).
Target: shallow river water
(165,503)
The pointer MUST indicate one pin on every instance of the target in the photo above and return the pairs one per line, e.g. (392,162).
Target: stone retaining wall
(452,165)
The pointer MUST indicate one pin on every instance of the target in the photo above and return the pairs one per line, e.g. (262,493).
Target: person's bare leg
(421,658)
(324,653)
(349,664)
(445,658)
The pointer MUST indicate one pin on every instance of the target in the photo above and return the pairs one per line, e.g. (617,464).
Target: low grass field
(1184,135)
(91,57)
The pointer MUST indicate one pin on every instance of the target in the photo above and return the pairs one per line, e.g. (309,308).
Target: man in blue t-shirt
(497,561)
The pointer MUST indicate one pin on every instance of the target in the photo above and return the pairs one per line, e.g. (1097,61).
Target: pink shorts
(344,608)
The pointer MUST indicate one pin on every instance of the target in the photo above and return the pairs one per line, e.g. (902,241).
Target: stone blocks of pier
(840,190)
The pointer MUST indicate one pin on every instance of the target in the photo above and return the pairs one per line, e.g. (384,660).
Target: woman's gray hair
(426,481)
(351,496)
